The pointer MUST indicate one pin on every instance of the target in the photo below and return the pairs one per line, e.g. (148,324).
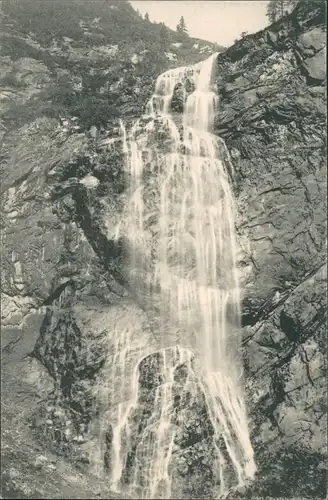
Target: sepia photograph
(163,249)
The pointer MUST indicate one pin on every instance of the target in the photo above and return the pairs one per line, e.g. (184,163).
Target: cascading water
(179,222)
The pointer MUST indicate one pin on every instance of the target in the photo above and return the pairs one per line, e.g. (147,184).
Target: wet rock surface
(180,95)
(191,464)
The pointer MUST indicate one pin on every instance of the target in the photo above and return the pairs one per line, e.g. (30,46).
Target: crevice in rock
(288,326)
(11,345)
(56,293)
(280,189)
(261,313)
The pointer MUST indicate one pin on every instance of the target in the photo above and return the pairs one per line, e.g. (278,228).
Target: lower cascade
(173,409)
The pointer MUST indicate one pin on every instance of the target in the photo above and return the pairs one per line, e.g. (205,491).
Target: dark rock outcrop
(180,95)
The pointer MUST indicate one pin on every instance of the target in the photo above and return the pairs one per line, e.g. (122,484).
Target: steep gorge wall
(272,115)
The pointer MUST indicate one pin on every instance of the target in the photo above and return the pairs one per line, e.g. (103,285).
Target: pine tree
(147,17)
(181,27)
(164,37)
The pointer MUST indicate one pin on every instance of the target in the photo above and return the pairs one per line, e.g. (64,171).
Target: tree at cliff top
(182,28)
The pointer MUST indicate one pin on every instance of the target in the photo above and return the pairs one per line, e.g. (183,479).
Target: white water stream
(179,222)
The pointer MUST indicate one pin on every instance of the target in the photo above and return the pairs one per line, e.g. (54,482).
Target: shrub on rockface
(89,107)
(109,170)
(93,102)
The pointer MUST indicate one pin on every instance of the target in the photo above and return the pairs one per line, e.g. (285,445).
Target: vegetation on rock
(101,63)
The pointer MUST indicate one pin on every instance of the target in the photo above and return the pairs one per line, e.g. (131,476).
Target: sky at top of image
(220,21)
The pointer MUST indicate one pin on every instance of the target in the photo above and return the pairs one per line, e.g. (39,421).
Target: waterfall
(179,224)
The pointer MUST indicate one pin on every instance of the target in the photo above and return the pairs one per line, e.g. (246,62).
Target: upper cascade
(179,222)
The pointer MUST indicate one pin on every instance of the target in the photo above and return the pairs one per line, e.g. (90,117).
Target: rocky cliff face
(272,115)
(64,291)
